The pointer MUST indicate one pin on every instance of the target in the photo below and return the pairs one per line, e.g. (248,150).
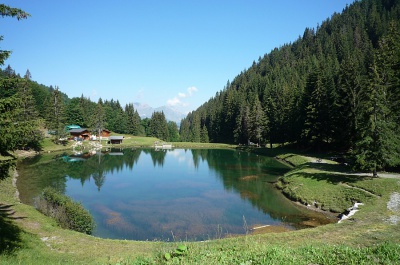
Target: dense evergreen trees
(158,126)
(378,142)
(38,103)
(19,121)
(335,88)
(55,115)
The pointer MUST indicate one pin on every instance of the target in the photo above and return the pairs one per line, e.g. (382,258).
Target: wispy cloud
(177,100)
(191,90)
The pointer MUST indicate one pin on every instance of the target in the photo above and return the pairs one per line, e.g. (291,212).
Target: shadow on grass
(332,173)
(331,168)
(5,167)
(10,233)
(271,152)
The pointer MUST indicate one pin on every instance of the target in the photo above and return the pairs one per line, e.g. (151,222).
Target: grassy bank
(129,142)
(371,236)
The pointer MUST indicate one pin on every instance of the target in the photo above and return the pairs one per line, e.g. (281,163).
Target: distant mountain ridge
(171,114)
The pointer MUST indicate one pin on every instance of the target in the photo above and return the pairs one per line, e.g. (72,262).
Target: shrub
(66,212)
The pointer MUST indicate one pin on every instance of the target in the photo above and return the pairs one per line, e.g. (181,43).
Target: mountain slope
(311,91)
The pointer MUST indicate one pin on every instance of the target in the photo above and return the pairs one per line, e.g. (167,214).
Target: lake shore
(373,234)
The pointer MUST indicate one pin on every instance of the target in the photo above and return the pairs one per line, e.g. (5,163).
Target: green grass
(322,190)
(49,146)
(132,141)
(28,237)
(250,251)
(327,187)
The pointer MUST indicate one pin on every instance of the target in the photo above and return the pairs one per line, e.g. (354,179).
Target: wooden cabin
(115,139)
(105,133)
(81,133)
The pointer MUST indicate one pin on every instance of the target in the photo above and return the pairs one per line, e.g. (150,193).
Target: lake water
(179,194)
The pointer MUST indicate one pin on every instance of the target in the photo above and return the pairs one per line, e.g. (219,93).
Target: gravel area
(394,205)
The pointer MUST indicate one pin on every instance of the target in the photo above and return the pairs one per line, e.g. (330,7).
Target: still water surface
(178,194)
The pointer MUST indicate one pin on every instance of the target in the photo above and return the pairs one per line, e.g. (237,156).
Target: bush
(66,212)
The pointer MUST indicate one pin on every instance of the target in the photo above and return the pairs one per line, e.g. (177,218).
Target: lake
(179,194)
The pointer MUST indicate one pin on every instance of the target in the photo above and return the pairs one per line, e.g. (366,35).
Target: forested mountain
(336,87)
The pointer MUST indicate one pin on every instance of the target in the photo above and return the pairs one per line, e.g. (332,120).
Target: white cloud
(191,90)
(176,101)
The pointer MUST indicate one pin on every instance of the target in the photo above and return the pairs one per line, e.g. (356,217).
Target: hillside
(331,89)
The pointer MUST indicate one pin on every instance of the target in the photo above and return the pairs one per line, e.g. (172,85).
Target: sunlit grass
(131,141)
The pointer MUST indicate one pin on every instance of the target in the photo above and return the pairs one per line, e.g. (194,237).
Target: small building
(105,133)
(115,139)
(72,126)
(81,133)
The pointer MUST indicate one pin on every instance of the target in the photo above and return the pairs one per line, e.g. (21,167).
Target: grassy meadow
(371,236)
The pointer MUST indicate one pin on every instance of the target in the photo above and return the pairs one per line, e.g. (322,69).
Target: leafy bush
(68,214)
(176,254)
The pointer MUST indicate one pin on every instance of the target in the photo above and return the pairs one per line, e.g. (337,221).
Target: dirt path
(357,188)
(380,174)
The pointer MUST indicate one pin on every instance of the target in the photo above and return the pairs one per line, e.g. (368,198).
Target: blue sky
(177,53)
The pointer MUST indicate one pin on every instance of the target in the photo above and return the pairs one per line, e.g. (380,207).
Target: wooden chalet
(80,133)
(115,139)
(105,133)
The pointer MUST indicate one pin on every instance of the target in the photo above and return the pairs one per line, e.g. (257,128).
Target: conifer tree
(184,130)
(317,122)
(133,120)
(88,107)
(74,113)
(204,134)
(351,96)
(195,135)
(17,128)
(158,126)
(98,121)
(173,132)
(242,130)
(378,145)
(388,60)
(120,118)
(55,116)
(258,122)
(29,115)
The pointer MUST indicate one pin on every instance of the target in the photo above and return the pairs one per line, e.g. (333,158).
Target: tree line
(53,110)
(335,88)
